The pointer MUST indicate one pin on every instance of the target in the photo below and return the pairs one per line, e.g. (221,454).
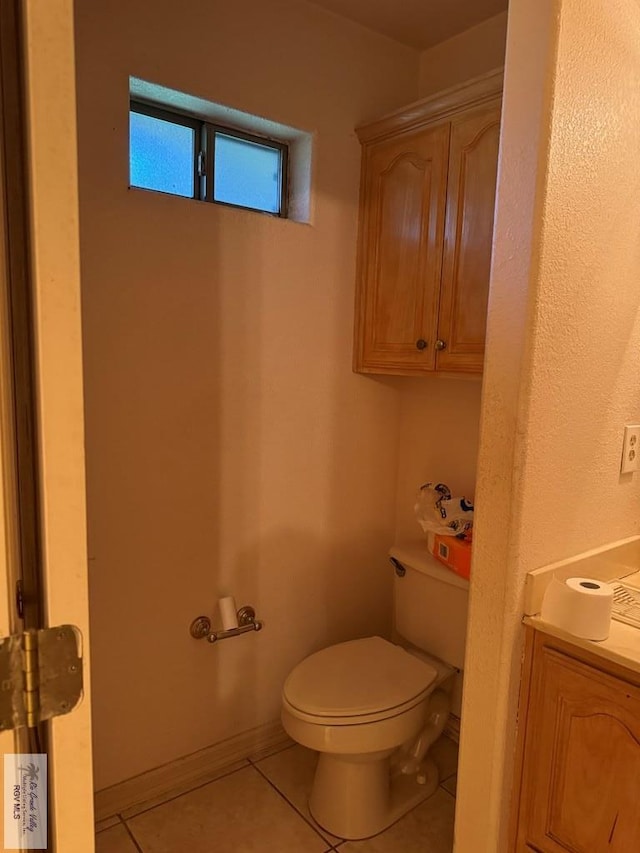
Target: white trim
(55,257)
(9,741)
(452,728)
(190,771)
(435,108)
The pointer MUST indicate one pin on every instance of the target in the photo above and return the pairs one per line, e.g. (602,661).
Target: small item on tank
(448,523)
(438,512)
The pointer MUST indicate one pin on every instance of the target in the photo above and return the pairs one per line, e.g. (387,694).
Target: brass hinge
(40,676)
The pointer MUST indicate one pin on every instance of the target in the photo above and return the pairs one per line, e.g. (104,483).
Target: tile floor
(262,806)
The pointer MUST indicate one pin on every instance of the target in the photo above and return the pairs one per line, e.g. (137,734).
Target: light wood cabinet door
(473,163)
(581,783)
(402,227)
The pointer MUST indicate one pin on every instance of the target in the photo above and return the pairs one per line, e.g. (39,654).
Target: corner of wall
(471,53)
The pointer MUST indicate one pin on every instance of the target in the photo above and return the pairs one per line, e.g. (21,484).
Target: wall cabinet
(579,772)
(426,227)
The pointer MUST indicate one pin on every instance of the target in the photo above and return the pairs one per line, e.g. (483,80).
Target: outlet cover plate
(630,449)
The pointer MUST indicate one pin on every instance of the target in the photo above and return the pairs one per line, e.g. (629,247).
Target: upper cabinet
(471,193)
(426,226)
(401,246)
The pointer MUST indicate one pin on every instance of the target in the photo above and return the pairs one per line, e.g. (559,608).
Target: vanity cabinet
(426,227)
(578,779)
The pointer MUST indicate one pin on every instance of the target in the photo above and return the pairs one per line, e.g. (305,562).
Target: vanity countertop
(622,646)
(618,561)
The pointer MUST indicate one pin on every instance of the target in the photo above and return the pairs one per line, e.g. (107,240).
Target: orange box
(454,553)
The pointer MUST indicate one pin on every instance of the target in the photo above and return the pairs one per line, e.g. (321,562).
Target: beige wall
(230,448)
(440,417)
(438,441)
(561,368)
(473,52)
(439,422)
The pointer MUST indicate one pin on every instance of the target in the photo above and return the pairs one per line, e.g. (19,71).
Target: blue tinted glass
(247,173)
(161,155)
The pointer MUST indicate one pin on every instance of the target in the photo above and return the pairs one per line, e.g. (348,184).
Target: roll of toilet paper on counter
(580,606)
(228,612)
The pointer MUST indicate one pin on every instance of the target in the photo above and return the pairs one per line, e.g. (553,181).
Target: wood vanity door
(581,788)
(400,251)
(471,194)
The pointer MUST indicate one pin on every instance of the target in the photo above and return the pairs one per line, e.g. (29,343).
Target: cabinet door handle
(440,345)
(421,343)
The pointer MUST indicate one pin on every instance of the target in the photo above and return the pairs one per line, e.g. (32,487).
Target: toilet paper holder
(201,626)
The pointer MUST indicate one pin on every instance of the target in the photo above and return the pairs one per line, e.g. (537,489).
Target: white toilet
(372,708)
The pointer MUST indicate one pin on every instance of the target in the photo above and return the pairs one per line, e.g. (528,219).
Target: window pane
(247,173)
(161,155)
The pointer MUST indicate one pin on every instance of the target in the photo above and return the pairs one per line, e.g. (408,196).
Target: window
(173,153)
(162,153)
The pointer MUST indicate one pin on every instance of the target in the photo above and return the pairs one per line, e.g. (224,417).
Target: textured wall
(230,448)
(473,52)
(439,422)
(561,370)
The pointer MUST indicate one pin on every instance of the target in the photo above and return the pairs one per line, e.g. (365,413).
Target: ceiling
(418,23)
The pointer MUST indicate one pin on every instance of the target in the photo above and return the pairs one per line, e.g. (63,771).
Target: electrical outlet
(630,449)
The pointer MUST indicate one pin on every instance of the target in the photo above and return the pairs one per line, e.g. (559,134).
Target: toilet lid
(356,678)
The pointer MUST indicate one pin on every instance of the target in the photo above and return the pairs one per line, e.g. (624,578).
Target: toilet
(372,708)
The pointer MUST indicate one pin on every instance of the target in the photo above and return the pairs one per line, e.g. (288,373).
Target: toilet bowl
(372,709)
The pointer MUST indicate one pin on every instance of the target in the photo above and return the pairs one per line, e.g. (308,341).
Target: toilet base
(355,796)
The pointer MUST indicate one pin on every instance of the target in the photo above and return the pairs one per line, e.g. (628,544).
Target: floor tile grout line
(251,762)
(343,841)
(290,804)
(453,796)
(413,808)
(170,797)
(115,817)
(330,849)
(173,797)
(132,837)
(294,807)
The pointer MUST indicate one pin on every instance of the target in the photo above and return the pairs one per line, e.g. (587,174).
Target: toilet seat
(357,682)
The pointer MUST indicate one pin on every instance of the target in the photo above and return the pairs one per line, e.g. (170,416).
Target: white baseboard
(155,786)
(452,728)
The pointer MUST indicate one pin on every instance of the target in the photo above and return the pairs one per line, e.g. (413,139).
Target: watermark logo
(25,801)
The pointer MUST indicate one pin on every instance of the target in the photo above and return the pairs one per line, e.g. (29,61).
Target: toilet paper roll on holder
(201,626)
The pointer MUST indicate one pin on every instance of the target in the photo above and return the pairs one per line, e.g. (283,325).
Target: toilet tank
(430,604)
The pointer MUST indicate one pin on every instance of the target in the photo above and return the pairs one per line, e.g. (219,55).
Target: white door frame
(55,269)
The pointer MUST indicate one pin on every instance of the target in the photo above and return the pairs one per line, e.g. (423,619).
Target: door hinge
(40,676)
(20,599)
